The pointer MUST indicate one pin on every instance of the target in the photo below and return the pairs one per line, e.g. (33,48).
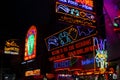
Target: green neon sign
(31,39)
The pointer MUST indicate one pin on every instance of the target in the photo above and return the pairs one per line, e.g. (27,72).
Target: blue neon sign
(62,64)
(88,61)
(69,35)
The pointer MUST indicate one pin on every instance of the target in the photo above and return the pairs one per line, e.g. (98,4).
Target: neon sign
(52,41)
(68,35)
(84,4)
(75,20)
(32,72)
(68,62)
(88,61)
(30,45)
(67,10)
(76,49)
(11,47)
(83,33)
(62,36)
(62,64)
(101,53)
(75,16)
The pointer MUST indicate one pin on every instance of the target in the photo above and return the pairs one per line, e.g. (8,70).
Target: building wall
(111,10)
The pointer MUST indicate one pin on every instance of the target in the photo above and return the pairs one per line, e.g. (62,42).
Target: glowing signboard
(83,4)
(32,72)
(68,35)
(78,13)
(75,21)
(77,48)
(62,64)
(68,63)
(101,52)
(84,62)
(11,47)
(30,43)
(88,61)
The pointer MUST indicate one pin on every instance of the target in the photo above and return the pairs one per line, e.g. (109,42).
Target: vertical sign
(30,43)
(101,55)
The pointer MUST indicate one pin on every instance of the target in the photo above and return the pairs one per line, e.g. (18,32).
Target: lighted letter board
(69,63)
(74,15)
(78,48)
(30,43)
(68,35)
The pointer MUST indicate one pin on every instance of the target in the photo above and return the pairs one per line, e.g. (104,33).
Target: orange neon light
(68,58)
(62,69)
(86,2)
(32,31)
(32,72)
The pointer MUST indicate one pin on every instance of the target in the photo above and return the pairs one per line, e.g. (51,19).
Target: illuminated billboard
(11,47)
(92,52)
(30,43)
(69,35)
(68,63)
(75,49)
(74,15)
(84,62)
(75,12)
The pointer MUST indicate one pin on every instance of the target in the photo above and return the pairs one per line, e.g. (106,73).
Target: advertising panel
(32,72)
(72,15)
(30,43)
(70,63)
(68,36)
(88,62)
(91,51)
(76,49)
(12,47)
(83,62)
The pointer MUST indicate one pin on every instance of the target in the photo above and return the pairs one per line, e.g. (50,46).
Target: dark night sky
(17,16)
